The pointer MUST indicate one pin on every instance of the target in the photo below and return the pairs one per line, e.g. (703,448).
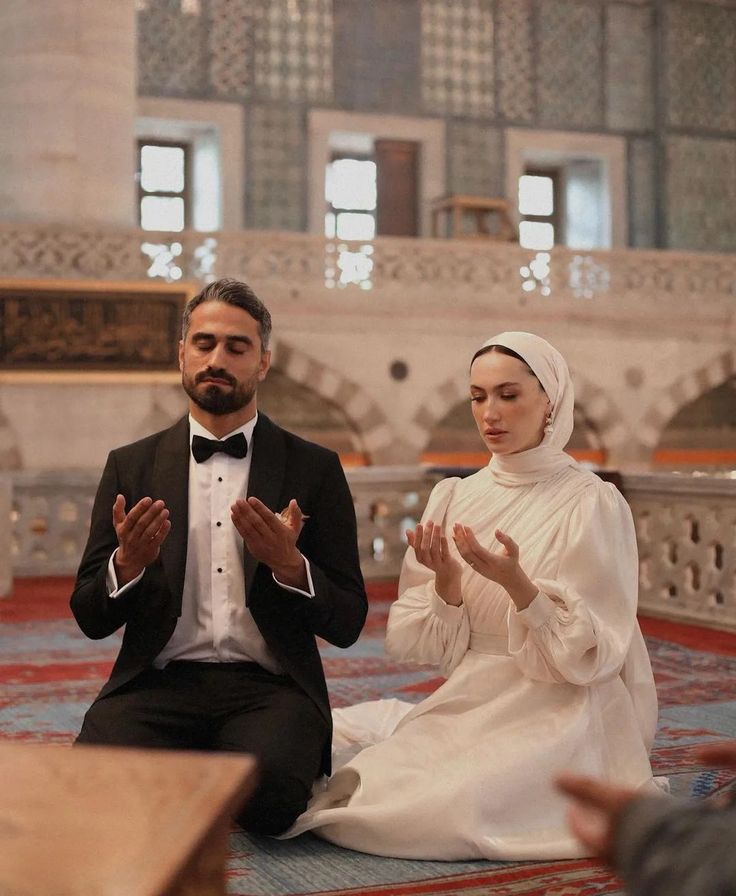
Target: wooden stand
(491,218)
(117,822)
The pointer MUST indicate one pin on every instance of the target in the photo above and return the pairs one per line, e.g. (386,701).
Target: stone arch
(591,401)
(599,410)
(369,422)
(684,390)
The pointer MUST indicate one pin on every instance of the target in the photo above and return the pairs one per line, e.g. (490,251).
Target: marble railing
(686,530)
(306,273)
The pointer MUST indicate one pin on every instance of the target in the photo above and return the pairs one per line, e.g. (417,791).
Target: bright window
(350,191)
(163,194)
(539,209)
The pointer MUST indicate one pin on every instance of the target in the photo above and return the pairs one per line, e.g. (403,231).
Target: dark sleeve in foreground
(668,847)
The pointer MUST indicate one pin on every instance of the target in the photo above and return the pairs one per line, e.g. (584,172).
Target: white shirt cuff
(309,593)
(112,579)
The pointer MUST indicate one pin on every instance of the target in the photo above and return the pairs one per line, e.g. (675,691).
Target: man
(221,594)
(659,846)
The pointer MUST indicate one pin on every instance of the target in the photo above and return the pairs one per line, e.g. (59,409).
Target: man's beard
(214,399)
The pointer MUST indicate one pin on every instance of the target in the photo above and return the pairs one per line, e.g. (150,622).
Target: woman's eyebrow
(499,386)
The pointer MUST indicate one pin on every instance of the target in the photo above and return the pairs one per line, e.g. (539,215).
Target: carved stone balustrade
(388,501)
(49,516)
(686,531)
(296,269)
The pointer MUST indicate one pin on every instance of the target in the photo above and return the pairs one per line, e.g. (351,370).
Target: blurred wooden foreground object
(490,218)
(117,822)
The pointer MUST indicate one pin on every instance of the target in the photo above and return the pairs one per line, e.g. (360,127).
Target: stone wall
(644,333)
(659,75)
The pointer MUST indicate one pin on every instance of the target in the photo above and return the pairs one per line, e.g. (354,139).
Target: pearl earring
(548,423)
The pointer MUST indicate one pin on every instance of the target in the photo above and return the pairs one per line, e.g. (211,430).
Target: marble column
(67,106)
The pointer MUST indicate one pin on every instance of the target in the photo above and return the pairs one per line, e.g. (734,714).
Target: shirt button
(219,478)
(219,523)
(219,569)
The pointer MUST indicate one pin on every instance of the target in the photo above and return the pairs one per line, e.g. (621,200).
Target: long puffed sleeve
(421,627)
(579,627)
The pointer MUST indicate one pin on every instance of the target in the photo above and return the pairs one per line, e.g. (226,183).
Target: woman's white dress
(564,684)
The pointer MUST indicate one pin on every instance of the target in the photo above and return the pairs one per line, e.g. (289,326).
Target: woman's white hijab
(548,458)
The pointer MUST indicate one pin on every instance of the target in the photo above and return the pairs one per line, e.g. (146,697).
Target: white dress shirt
(215,625)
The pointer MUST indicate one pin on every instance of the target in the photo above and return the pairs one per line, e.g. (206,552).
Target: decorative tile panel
(515,60)
(276,137)
(642,193)
(570,64)
(230,48)
(377,55)
(701,194)
(475,157)
(293,49)
(171,50)
(700,60)
(629,67)
(457,57)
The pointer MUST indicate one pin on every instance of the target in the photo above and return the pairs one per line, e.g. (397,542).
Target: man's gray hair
(231,292)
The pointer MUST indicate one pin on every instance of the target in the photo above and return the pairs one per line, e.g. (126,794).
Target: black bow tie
(235,446)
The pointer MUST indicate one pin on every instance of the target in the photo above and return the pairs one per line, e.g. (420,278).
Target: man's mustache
(215,373)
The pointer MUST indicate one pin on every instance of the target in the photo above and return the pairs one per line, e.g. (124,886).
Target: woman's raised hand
(501,568)
(433,551)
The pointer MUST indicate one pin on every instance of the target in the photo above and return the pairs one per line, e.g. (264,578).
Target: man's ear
(265,366)
(181,354)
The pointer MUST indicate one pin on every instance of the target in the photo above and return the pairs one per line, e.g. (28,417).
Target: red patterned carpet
(50,673)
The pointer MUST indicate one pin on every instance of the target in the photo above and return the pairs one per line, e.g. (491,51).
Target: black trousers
(233,707)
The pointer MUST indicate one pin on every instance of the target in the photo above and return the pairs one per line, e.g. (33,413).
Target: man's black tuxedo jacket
(283,466)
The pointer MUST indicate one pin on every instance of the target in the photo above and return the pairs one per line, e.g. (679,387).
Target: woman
(521,584)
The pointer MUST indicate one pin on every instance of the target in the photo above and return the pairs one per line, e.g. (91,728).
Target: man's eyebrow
(246,339)
(201,334)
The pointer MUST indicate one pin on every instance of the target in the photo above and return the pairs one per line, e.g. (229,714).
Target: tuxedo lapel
(171,484)
(266,477)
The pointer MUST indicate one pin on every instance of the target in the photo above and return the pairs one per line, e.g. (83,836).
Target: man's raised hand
(271,538)
(141,532)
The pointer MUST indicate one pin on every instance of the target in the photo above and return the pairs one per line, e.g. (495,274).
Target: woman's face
(509,405)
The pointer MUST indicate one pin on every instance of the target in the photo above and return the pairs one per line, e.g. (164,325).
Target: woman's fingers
(435,545)
(430,545)
(509,545)
(467,544)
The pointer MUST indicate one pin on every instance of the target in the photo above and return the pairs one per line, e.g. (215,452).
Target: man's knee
(275,805)
(99,726)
